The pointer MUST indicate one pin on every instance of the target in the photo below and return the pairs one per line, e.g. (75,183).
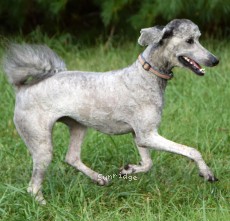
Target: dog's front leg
(155,141)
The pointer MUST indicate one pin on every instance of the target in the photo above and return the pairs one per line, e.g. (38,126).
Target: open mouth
(192,65)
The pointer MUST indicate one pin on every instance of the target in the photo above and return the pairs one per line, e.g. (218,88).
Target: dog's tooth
(202,70)
(186,58)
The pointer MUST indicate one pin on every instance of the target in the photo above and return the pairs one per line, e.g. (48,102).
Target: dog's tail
(28,64)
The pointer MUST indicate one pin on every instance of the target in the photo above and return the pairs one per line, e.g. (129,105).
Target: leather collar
(148,67)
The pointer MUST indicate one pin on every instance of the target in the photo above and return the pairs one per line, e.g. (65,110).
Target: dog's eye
(190,41)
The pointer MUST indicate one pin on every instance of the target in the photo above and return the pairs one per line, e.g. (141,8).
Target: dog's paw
(208,176)
(102,181)
(40,200)
(127,169)
(38,196)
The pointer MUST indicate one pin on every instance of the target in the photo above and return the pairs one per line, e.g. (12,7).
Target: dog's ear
(154,35)
(150,36)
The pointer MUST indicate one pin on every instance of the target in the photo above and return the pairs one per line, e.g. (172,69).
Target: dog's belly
(115,127)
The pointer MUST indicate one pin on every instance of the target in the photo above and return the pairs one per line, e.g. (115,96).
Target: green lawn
(196,113)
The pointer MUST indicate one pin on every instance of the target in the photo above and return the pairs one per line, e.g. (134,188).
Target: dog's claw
(127,169)
(212,179)
(209,178)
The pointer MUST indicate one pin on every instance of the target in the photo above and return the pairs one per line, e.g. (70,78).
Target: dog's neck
(157,59)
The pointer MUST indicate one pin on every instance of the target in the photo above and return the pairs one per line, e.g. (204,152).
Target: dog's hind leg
(145,163)
(73,156)
(36,133)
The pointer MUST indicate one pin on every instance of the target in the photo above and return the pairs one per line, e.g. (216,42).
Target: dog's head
(180,45)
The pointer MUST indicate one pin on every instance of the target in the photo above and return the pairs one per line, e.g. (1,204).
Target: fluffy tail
(28,64)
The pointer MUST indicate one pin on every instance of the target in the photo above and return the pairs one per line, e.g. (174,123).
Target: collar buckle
(146,66)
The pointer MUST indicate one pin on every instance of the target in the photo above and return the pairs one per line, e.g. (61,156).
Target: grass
(196,113)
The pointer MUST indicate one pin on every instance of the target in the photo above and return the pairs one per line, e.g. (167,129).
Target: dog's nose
(215,61)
